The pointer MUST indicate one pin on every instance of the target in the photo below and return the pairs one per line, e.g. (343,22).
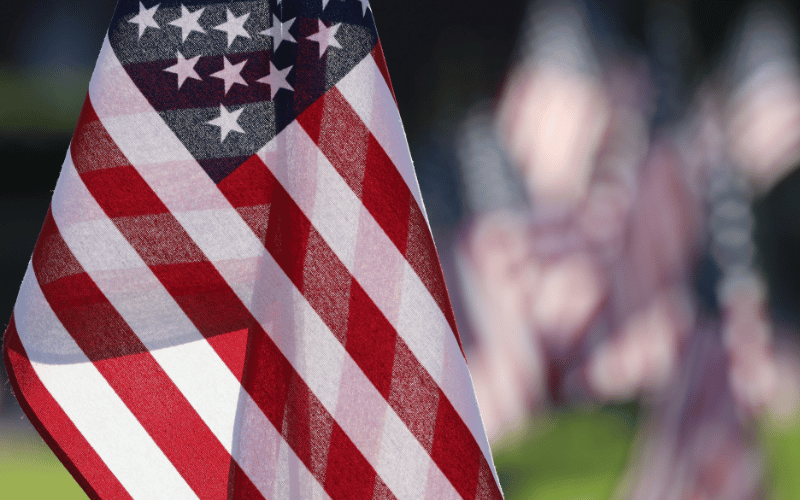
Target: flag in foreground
(235,293)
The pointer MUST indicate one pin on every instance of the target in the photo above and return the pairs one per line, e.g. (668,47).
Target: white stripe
(171,193)
(152,313)
(415,460)
(336,207)
(107,253)
(366,91)
(204,226)
(320,356)
(92,405)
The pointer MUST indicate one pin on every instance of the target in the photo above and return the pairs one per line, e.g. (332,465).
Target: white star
(325,37)
(184,68)
(234,27)
(231,73)
(276,79)
(227,122)
(365,5)
(279,32)
(145,18)
(188,22)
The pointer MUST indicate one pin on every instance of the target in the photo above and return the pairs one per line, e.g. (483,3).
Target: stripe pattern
(255,319)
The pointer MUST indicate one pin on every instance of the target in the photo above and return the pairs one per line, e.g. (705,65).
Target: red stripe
(390,206)
(414,396)
(460,459)
(353,478)
(371,340)
(132,372)
(361,161)
(367,335)
(214,308)
(55,427)
(487,488)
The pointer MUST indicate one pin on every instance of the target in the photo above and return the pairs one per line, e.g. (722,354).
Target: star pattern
(206,48)
(231,73)
(227,122)
(145,18)
(279,32)
(325,37)
(364,6)
(234,26)
(184,68)
(188,22)
(276,79)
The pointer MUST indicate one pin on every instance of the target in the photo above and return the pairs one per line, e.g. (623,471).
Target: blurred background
(613,192)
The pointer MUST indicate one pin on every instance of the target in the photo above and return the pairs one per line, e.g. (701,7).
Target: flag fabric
(235,293)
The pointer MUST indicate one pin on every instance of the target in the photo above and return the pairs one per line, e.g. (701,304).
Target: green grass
(41,100)
(30,471)
(568,456)
(781,447)
(576,455)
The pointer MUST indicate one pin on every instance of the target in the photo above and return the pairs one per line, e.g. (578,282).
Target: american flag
(235,293)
